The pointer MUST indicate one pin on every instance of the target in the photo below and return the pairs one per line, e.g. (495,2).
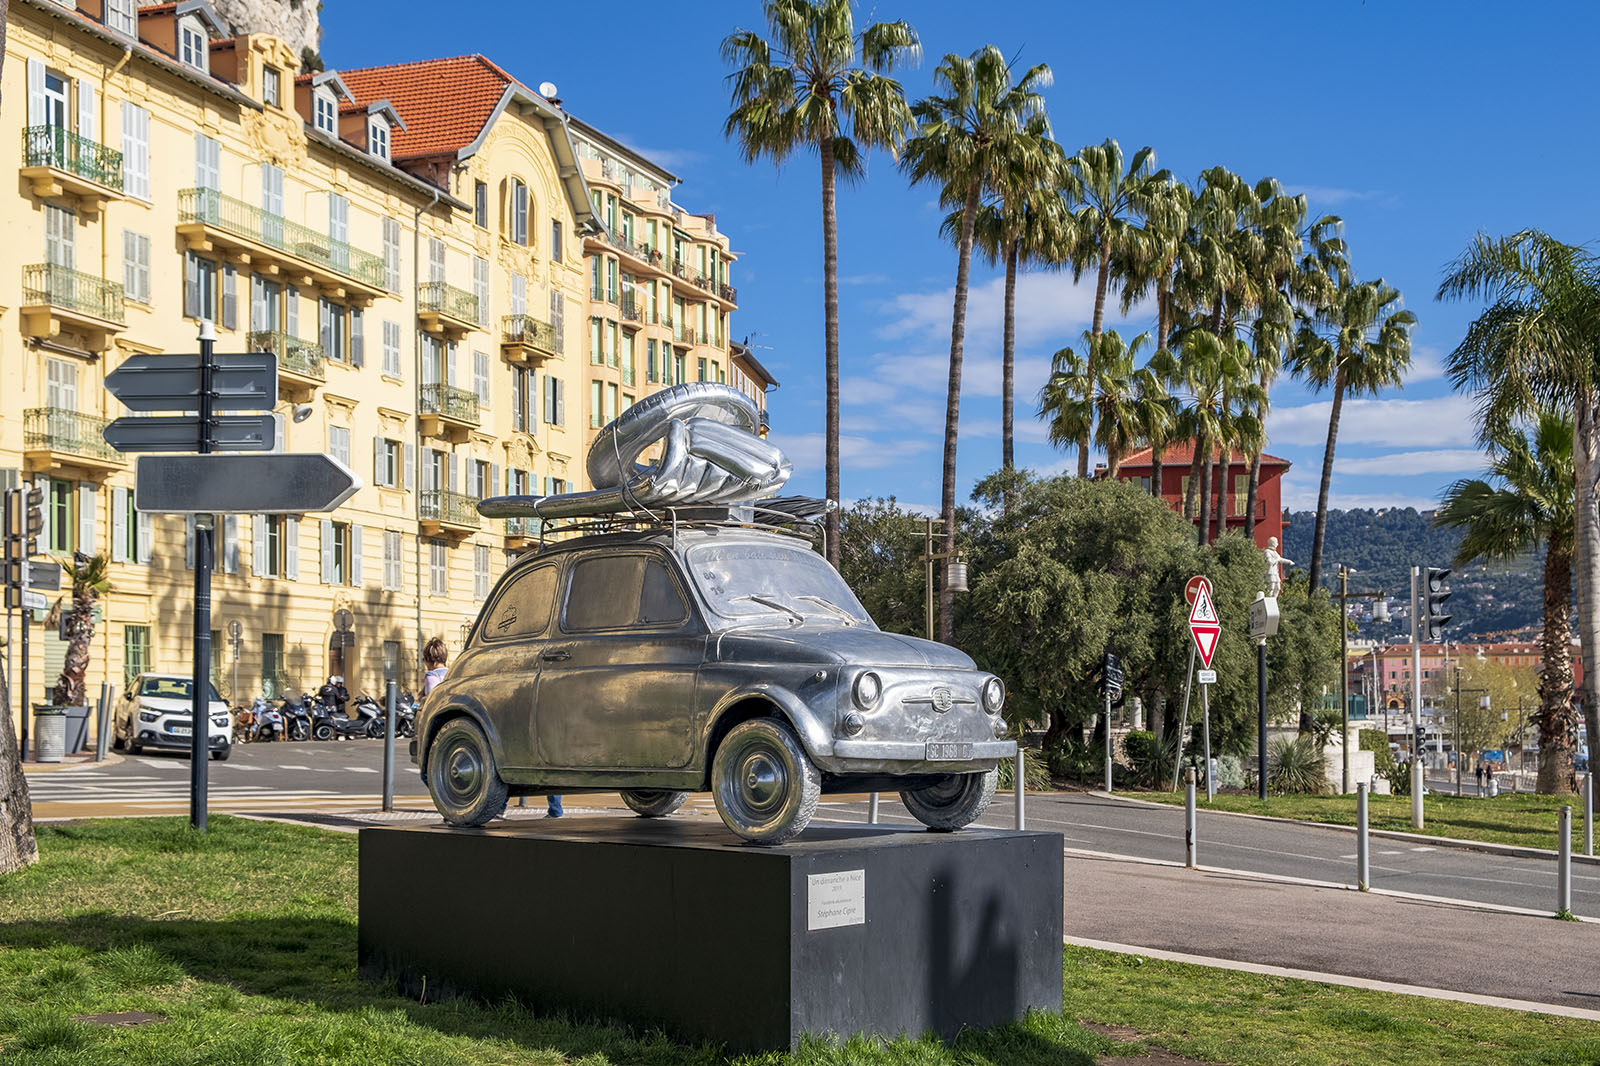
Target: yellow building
(416,257)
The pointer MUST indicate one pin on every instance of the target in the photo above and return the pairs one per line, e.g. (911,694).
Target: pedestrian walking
(1488,776)
(1479,771)
(434,656)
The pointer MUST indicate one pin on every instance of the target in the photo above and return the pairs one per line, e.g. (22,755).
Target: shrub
(1150,761)
(1297,766)
(1399,775)
(1073,760)
(1035,773)
(1378,743)
(1230,772)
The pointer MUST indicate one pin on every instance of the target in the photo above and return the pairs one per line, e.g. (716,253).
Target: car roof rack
(795,516)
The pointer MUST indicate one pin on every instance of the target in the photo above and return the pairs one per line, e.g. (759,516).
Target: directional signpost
(1263,624)
(193,387)
(1112,684)
(1206,631)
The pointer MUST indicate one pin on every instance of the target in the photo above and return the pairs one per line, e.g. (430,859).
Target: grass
(1515,818)
(244,940)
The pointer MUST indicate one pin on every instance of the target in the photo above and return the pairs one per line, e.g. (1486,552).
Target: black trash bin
(77,729)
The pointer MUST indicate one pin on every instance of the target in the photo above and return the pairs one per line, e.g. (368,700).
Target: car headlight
(867,690)
(994,695)
(148,716)
(220,722)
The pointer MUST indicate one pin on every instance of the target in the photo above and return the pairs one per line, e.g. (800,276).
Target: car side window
(523,607)
(660,603)
(618,591)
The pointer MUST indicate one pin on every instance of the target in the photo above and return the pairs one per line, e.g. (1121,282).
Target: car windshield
(745,580)
(173,688)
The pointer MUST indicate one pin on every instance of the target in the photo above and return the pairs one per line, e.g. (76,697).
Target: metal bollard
(1588,813)
(1363,855)
(1564,871)
(872,809)
(388,750)
(1020,789)
(102,722)
(1190,858)
(1416,793)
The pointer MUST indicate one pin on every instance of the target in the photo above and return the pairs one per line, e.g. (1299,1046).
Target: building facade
(414,244)
(1176,462)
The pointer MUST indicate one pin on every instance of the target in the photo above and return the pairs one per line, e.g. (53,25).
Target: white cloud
(1392,423)
(669,158)
(1427,364)
(807,452)
(1333,196)
(1437,461)
(1049,306)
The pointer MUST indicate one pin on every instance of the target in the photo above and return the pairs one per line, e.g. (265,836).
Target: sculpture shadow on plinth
(675,924)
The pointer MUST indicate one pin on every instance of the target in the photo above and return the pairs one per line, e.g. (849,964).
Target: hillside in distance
(1487,600)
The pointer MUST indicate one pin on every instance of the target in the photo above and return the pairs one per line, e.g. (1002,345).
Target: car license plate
(947,751)
(179,730)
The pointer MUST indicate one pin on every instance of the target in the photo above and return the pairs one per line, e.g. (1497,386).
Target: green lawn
(1519,818)
(244,940)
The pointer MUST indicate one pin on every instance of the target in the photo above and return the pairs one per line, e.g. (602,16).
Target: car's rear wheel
(220,754)
(765,786)
(653,802)
(953,803)
(462,776)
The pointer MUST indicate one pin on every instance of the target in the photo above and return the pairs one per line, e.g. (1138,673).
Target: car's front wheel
(220,754)
(653,802)
(953,803)
(462,776)
(765,786)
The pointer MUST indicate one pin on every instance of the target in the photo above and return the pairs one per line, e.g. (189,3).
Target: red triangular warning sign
(1204,626)
(1203,610)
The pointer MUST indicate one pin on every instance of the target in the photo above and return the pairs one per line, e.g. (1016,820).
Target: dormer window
(378,137)
(120,17)
(325,115)
(271,87)
(192,44)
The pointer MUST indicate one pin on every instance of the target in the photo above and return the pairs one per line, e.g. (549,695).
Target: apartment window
(597,355)
(341,553)
(386,463)
(135,652)
(135,147)
(192,43)
(274,676)
(120,17)
(391,254)
(230,297)
(391,559)
(58,516)
(519,212)
(480,288)
(136,266)
(435,259)
(679,371)
(519,399)
(130,531)
(700,366)
(555,240)
(480,204)
(207,162)
(438,567)
(480,572)
(199,288)
(1241,493)
(391,349)
(628,358)
(650,361)
(612,291)
(333,330)
(378,137)
(596,404)
(271,87)
(480,376)
(339,444)
(597,288)
(611,403)
(555,400)
(325,112)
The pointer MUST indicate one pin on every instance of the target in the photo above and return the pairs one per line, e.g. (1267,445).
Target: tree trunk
(1558,724)
(1155,469)
(1254,497)
(68,691)
(1191,495)
(830,346)
(1224,472)
(1586,558)
(1102,278)
(1008,348)
(952,410)
(1327,479)
(1205,486)
(17,846)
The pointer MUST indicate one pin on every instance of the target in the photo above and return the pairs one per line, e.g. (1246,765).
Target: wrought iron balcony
(295,356)
(680,268)
(64,433)
(448,412)
(702,281)
(632,307)
(443,508)
(728,293)
(437,297)
(47,285)
(202,211)
(63,150)
(524,338)
(523,528)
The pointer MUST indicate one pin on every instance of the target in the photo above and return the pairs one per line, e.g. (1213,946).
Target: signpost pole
(1183,719)
(200,732)
(1261,718)
(1205,703)
(24,613)
(1108,738)
(388,748)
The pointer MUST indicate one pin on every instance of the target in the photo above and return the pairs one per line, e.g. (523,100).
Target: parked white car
(157,711)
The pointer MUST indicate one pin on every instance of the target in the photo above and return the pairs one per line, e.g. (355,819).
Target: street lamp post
(955,574)
(1380,613)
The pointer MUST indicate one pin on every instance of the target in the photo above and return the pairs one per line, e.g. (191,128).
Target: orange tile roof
(443,102)
(1183,454)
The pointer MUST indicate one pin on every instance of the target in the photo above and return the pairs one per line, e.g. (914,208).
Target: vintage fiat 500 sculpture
(681,637)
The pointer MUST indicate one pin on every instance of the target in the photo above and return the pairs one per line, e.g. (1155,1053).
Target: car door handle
(556,656)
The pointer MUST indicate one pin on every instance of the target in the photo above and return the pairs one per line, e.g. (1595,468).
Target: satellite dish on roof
(547,89)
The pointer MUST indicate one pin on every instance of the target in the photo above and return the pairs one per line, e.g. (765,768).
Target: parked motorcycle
(270,723)
(373,714)
(296,717)
(324,725)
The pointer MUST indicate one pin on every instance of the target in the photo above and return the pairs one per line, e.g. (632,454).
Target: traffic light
(32,521)
(1434,618)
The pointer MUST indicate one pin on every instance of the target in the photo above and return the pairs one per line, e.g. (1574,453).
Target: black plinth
(673,924)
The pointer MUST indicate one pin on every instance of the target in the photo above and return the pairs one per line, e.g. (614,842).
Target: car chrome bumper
(855,756)
(150,739)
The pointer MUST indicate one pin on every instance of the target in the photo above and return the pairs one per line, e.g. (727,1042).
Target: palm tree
(1529,503)
(1022,223)
(1214,374)
(1108,199)
(820,83)
(1537,344)
(88,577)
(1367,349)
(1121,398)
(962,143)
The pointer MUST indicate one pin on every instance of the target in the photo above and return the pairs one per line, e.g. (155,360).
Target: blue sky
(1418,123)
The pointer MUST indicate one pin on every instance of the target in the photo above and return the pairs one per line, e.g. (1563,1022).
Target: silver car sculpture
(698,657)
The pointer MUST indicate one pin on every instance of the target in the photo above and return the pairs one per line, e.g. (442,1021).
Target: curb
(69,765)
(1514,850)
